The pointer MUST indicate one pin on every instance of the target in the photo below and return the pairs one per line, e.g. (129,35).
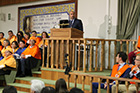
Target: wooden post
(102,55)
(121,45)
(83,82)
(48,54)
(43,53)
(99,85)
(73,55)
(96,55)
(91,55)
(57,53)
(75,80)
(134,45)
(84,68)
(137,87)
(115,42)
(91,80)
(68,51)
(117,85)
(107,85)
(127,43)
(62,55)
(79,53)
(68,81)
(52,54)
(109,43)
(127,85)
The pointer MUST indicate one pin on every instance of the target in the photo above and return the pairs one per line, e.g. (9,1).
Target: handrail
(85,75)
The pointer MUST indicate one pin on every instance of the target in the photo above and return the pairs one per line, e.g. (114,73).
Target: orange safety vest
(134,77)
(118,73)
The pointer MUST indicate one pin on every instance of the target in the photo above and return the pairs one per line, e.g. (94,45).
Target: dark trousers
(3,72)
(45,56)
(95,87)
(27,64)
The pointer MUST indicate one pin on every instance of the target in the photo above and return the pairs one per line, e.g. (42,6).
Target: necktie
(118,67)
(70,23)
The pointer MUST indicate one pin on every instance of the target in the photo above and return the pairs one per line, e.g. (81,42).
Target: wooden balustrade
(107,78)
(85,54)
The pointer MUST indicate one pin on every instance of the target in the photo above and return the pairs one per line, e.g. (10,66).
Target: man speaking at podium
(74,22)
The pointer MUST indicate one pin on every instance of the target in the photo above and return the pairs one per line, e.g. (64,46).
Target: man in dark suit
(74,22)
(120,70)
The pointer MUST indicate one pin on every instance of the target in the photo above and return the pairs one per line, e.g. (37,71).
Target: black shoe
(22,75)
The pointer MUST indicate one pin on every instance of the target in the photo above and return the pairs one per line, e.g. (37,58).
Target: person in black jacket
(134,74)
(74,22)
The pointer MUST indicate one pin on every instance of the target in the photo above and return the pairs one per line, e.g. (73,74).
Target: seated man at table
(119,70)
(134,74)
(7,62)
(29,58)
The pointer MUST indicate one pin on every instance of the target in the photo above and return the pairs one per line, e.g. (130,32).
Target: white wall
(93,13)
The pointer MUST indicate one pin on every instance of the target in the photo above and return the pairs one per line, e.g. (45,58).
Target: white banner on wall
(42,23)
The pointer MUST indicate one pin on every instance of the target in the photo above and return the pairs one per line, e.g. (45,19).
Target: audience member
(38,39)
(120,70)
(27,38)
(9,89)
(37,86)
(11,37)
(43,35)
(48,90)
(20,50)
(20,36)
(60,86)
(6,45)
(2,37)
(134,74)
(76,90)
(15,46)
(7,62)
(29,58)
(1,47)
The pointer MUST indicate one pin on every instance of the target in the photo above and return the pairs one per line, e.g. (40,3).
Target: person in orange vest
(11,37)
(120,70)
(134,74)
(40,45)
(6,45)
(29,58)
(2,37)
(38,39)
(7,62)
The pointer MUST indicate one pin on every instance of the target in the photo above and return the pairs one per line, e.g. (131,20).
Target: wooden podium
(66,33)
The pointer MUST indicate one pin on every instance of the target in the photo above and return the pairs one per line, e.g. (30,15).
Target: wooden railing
(107,78)
(85,54)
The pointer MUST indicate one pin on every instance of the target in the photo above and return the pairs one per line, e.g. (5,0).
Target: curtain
(128,15)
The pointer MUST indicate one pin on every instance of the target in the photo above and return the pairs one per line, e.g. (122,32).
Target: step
(36,73)
(24,83)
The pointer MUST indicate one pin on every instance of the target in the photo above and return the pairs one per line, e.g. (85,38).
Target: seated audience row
(25,49)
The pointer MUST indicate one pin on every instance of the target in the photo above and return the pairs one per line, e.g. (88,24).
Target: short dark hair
(123,55)
(22,41)
(10,31)
(7,41)
(16,43)
(76,90)
(34,32)
(9,89)
(2,33)
(48,90)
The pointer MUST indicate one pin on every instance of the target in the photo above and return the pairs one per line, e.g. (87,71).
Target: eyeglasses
(137,59)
